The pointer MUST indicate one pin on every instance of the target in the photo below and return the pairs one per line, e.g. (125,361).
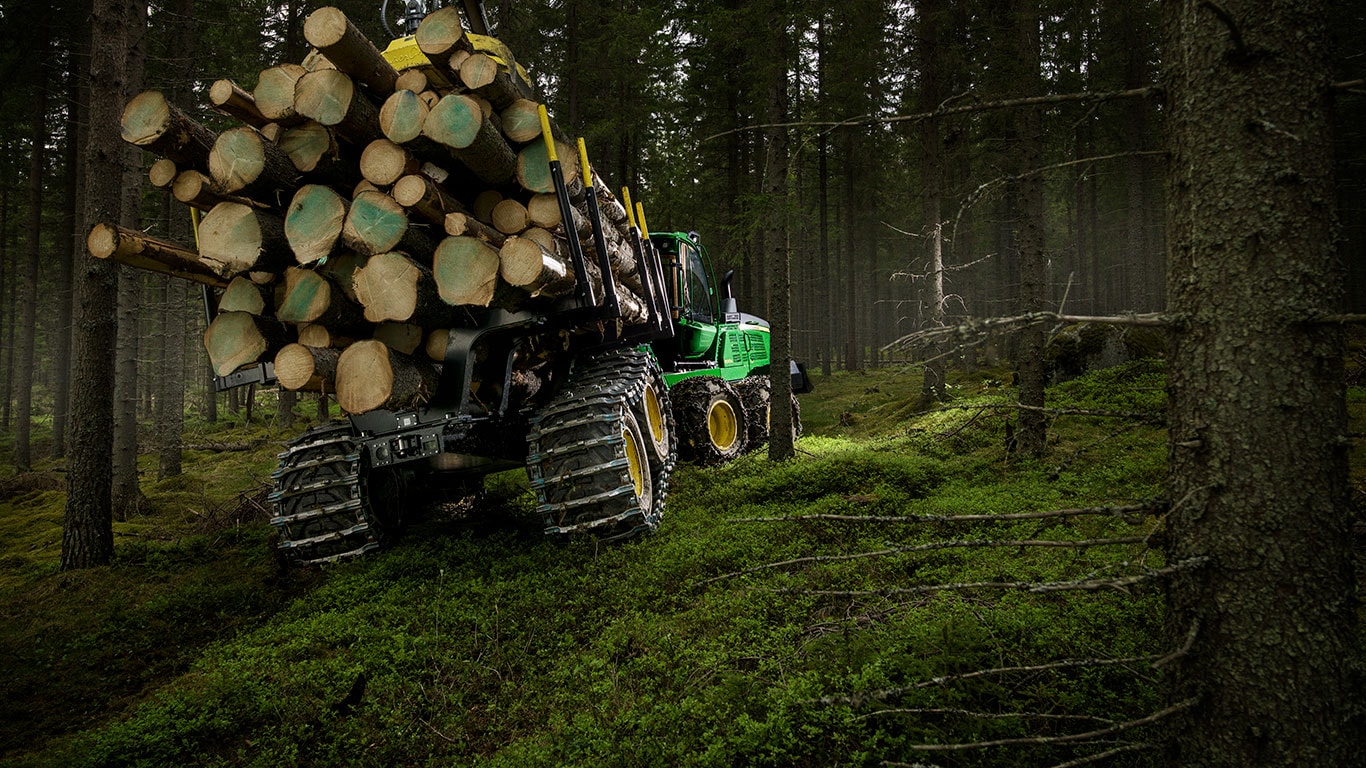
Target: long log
(370,375)
(414,80)
(313,222)
(457,224)
(158,126)
(392,286)
(458,122)
(307,296)
(331,97)
(308,368)
(235,238)
(135,249)
(376,223)
(235,101)
(525,264)
(243,162)
(197,191)
(235,339)
(274,93)
(328,30)
(482,75)
(420,195)
(466,271)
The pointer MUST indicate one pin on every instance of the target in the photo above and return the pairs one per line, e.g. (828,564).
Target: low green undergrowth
(757,627)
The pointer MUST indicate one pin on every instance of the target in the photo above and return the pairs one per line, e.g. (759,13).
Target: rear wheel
(713,423)
(754,393)
(597,462)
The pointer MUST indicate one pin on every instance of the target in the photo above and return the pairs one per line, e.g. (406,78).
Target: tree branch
(1127,511)
(1065,739)
(862,120)
(1146,320)
(1121,583)
(859,700)
(933,546)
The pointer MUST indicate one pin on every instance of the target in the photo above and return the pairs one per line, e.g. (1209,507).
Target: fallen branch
(858,700)
(1145,320)
(1065,739)
(1128,511)
(1106,754)
(933,546)
(221,447)
(1121,583)
(984,715)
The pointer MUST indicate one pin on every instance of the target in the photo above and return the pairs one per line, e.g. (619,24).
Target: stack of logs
(361,211)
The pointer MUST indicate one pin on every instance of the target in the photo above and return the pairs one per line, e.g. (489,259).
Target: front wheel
(713,423)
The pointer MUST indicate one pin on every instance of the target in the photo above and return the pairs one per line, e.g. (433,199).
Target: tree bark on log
(158,126)
(391,286)
(274,93)
(307,368)
(235,238)
(313,222)
(237,102)
(328,30)
(370,376)
(243,162)
(235,339)
(135,249)
(331,98)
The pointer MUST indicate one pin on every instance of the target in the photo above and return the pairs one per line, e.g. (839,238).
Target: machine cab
(692,289)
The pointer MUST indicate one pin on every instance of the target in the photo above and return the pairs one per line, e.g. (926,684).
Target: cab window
(699,304)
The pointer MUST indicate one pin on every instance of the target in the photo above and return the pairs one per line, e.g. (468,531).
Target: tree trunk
(1028,204)
(777,237)
(73,222)
(28,275)
(932,67)
(1258,454)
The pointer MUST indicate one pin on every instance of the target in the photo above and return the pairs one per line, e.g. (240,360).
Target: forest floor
(727,638)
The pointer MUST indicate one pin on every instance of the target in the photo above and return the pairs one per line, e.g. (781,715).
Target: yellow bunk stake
(630,212)
(640,218)
(583,165)
(546,135)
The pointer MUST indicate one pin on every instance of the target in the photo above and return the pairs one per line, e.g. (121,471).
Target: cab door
(697,331)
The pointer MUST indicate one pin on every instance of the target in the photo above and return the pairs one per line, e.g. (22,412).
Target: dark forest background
(669,96)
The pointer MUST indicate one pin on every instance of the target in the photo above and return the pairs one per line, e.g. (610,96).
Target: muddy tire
(713,425)
(598,464)
(754,394)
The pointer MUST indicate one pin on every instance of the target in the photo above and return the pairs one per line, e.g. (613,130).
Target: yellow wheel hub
(723,427)
(635,461)
(654,416)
